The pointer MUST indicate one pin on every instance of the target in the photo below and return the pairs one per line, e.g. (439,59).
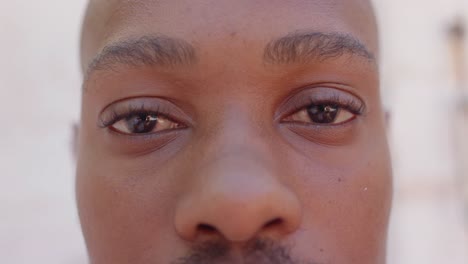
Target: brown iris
(142,123)
(323,114)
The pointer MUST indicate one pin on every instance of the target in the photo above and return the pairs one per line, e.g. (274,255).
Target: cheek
(347,198)
(124,210)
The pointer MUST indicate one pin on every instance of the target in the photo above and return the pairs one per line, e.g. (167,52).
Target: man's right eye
(144,123)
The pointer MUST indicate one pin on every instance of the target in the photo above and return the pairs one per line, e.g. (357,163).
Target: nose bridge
(238,167)
(237,190)
(239,138)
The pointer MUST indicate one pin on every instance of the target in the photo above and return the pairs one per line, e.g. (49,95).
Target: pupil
(141,123)
(323,114)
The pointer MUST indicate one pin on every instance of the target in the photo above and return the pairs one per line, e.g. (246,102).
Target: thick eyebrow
(145,51)
(300,47)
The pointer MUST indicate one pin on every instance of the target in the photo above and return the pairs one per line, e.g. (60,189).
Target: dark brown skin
(223,131)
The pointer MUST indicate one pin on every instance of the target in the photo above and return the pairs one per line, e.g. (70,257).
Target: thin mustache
(256,252)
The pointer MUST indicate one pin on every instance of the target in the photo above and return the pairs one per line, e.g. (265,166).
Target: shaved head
(222,131)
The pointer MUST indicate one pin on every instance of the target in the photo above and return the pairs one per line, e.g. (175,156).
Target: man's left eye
(325,114)
(144,124)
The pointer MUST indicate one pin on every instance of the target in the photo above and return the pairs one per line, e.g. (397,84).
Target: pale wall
(420,88)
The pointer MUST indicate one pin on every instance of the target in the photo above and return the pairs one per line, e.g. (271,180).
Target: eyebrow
(147,50)
(169,52)
(300,47)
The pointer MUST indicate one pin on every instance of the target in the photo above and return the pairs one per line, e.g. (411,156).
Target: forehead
(207,23)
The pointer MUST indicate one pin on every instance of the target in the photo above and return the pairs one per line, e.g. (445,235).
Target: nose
(237,197)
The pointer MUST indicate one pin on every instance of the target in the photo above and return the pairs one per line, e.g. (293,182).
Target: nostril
(206,229)
(273,223)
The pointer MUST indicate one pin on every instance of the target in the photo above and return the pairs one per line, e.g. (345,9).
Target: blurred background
(425,86)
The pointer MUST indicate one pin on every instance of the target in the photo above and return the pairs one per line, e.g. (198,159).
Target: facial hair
(257,252)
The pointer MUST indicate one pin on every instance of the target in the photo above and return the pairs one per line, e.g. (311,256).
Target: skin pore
(221,131)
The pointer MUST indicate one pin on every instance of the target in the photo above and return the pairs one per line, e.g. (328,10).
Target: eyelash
(349,104)
(116,115)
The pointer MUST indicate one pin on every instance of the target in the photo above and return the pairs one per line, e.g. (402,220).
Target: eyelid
(321,95)
(118,116)
(148,105)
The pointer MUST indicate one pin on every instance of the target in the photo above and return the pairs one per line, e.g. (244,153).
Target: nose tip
(238,207)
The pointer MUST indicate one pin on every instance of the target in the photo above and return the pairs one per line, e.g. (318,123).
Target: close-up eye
(144,123)
(323,114)
(142,116)
(327,114)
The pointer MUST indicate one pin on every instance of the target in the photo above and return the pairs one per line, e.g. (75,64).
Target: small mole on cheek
(321,250)
(233,34)
(340,180)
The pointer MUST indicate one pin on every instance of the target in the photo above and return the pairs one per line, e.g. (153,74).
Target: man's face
(242,131)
